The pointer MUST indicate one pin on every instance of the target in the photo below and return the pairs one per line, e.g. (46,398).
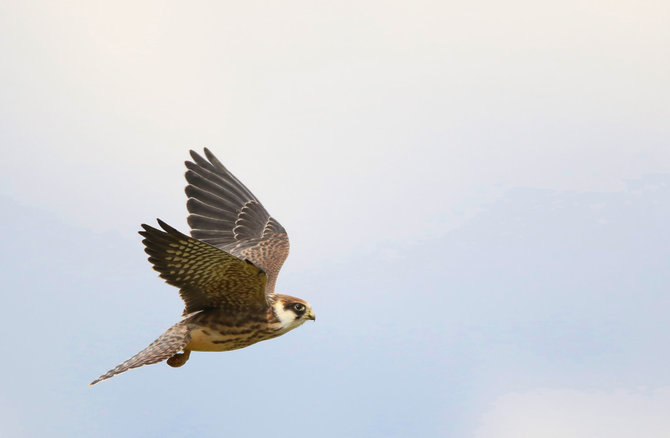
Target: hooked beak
(311,316)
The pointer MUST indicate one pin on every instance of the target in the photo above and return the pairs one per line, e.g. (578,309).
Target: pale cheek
(286,317)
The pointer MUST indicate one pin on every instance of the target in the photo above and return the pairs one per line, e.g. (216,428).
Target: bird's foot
(179,359)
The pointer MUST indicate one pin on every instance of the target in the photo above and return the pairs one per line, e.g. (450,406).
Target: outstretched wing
(225,214)
(207,277)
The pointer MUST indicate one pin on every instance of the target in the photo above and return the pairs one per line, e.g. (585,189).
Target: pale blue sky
(476,195)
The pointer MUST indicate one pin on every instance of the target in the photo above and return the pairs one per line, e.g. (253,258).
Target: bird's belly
(208,339)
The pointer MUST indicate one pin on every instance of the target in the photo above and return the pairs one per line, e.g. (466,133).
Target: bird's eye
(299,307)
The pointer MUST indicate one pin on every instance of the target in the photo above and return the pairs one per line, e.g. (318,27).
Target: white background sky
(476,194)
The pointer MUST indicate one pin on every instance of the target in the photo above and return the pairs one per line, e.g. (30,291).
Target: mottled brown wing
(225,214)
(206,276)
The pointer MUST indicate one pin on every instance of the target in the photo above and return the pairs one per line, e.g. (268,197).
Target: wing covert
(206,276)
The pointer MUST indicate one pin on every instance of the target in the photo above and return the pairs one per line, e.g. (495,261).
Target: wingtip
(194,155)
(209,155)
(149,230)
(212,159)
(168,229)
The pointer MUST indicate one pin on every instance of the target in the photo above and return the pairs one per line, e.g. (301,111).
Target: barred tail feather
(166,346)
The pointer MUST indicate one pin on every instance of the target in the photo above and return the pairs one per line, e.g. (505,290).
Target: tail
(166,346)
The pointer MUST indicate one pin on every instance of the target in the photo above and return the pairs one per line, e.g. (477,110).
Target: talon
(179,359)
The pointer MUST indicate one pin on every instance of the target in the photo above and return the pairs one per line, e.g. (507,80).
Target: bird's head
(292,311)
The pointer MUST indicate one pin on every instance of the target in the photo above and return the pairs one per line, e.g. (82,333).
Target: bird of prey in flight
(226,271)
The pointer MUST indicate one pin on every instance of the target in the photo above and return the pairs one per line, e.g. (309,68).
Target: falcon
(226,271)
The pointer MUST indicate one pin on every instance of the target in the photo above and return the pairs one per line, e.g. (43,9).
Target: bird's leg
(179,359)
